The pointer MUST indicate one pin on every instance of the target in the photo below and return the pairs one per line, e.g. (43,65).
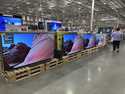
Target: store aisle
(103,73)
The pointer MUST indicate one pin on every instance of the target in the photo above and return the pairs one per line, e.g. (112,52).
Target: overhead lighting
(67,2)
(10,8)
(40,9)
(18,7)
(28,3)
(51,5)
(78,2)
(108,18)
(104,3)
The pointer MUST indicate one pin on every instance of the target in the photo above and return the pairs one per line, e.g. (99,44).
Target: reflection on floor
(103,73)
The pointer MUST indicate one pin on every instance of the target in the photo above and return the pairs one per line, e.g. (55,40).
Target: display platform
(27,72)
(40,56)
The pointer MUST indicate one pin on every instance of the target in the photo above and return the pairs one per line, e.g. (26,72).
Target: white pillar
(92,15)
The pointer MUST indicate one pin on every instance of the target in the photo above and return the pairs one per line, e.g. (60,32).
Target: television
(11,21)
(54,25)
(72,43)
(6,21)
(2,24)
(89,40)
(41,25)
(24,49)
(106,30)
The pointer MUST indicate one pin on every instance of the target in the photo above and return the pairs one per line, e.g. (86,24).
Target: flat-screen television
(89,40)
(41,25)
(24,49)
(11,20)
(4,21)
(2,24)
(100,39)
(54,25)
(72,43)
(105,30)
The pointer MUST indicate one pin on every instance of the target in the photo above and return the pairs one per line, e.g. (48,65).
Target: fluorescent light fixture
(51,4)
(108,18)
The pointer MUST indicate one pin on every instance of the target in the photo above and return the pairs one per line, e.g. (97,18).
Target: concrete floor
(103,73)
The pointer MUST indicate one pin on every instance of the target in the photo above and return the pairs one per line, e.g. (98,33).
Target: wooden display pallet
(79,55)
(93,50)
(27,72)
(72,57)
(85,52)
(24,73)
(52,64)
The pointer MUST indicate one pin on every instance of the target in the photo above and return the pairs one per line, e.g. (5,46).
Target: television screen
(89,40)
(105,30)
(41,25)
(5,21)
(11,21)
(72,43)
(24,49)
(54,25)
(101,39)
(2,24)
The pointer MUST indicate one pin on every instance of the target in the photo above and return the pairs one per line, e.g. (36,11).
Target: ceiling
(78,11)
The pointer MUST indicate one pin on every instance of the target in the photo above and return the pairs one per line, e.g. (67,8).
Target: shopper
(116,38)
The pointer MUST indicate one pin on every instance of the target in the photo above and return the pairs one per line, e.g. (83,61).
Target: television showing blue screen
(72,43)
(100,39)
(4,20)
(54,25)
(22,49)
(2,24)
(89,40)
(11,21)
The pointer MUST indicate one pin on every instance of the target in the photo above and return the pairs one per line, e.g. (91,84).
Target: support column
(92,15)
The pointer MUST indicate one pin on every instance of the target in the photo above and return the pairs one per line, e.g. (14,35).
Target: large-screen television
(72,43)
(89,40)
(11,20)
(100,40)
(54,25)
(106,30)
(6,21)
(2,24)
(23,49)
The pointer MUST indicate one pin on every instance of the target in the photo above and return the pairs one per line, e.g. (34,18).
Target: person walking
(116,38)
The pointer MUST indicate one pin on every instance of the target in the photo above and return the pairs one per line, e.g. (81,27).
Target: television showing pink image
(25,49)
(72,43)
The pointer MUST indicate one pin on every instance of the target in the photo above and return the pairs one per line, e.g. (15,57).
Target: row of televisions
(28,49)
(15,24)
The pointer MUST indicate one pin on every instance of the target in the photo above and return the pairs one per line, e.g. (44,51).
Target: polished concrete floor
(103,73)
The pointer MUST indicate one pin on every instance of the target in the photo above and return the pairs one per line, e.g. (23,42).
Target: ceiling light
(79,2)
(30,11)
(28,3)
(67,2)
(17,7)
(51,5)
(10,8)
(39,9)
